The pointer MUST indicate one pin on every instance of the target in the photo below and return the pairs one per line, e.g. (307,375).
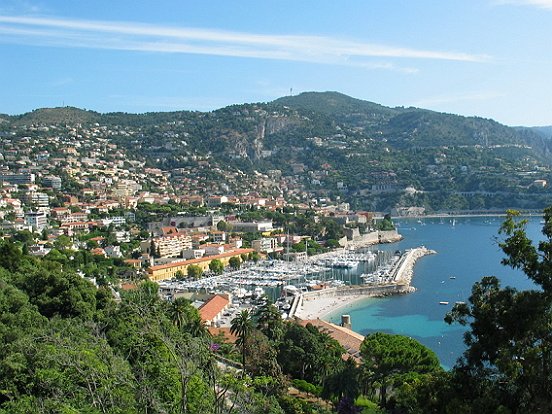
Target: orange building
(168,271)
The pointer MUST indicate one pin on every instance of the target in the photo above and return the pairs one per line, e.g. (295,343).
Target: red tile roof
(350,340)
(210,309)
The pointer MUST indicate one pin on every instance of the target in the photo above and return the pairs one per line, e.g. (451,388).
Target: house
(213,249)
(259,226)
(170,245)
(218,236)
(113,251)
(37,220)
(348,339)
(211,311)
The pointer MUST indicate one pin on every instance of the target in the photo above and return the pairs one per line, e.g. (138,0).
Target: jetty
(397,281)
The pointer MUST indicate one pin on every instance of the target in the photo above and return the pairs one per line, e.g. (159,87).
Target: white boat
(443,302)
(291,289)
(258,292)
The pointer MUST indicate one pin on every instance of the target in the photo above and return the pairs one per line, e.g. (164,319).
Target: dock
(398,282)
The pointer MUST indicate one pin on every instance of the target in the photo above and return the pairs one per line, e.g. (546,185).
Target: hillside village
(71,188)
(175,214)
(156,189)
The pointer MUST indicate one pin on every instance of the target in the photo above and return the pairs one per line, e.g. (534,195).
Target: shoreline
(463,215)
(320,304)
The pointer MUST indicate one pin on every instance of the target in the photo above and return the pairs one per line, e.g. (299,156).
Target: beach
(317,305)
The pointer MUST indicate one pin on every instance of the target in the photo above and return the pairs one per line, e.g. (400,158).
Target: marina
(289,285)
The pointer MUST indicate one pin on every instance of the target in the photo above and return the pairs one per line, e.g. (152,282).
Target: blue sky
(488,58)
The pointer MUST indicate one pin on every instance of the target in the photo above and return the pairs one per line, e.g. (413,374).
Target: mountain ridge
(332,145)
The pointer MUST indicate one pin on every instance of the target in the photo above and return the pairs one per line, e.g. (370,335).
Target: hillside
(329,145)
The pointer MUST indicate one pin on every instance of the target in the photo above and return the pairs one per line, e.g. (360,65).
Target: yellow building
(168,271)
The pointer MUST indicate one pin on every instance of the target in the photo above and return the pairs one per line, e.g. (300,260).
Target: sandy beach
(319,307)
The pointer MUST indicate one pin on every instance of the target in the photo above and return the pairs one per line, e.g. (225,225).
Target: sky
(486,58)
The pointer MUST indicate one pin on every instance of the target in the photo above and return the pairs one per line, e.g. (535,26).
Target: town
(69,194)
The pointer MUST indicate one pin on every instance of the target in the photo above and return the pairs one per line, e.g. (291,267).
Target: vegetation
(194,271)
(341,149)
(216,266)
(68,346)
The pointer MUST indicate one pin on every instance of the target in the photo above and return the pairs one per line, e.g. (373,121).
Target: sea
(467,249)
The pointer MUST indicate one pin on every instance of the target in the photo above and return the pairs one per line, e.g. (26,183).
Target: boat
(452,277)
(443,302)
(258,292)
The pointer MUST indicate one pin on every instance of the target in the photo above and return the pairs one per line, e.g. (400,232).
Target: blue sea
(467,249)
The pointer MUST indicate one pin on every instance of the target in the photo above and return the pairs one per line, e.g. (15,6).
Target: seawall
(401,275)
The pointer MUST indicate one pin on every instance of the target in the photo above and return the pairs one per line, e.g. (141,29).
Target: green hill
(331,145)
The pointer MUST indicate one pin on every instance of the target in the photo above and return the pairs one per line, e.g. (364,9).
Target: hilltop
(326,145)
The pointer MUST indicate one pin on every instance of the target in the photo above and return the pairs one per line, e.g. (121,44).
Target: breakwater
(400,276)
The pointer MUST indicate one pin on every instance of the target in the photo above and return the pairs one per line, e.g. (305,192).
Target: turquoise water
(467,248)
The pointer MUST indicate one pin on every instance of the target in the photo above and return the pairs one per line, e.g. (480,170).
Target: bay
(467,249)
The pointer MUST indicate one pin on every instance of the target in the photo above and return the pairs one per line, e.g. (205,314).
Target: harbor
(298,288)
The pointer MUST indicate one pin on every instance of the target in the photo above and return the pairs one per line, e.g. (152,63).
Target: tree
(216,266)
(63,242)
(254,256)
(224,226)
(194,271)
(306,353)
(186,317)
(386,357)
(386,224)
(241,326)
(10,256)
(509,343)
(234,262)
(269,321)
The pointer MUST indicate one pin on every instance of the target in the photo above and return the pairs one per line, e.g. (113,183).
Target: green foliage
(234,262)
(307,387)
(194,271)
(224,226)
(57,293)
(269,321)
(308,354)
(216,266)
(387,358)
(241,326)
(386,224)
(509,348)
(10,256)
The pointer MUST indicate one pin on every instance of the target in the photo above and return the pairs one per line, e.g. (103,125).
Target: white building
(265,245)
(37,220)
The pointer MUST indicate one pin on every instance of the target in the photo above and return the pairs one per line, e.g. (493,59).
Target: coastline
(320,308)
(465,215)
(320,304)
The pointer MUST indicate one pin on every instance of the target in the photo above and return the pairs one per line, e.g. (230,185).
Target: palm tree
(185,317)
(241,326)
(269,321)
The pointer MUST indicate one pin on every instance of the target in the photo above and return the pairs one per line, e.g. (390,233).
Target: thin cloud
(166,39)
(541,4)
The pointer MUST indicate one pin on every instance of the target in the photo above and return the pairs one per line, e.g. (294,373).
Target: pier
(399,280)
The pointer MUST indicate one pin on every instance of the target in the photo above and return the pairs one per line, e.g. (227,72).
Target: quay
(399,282)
